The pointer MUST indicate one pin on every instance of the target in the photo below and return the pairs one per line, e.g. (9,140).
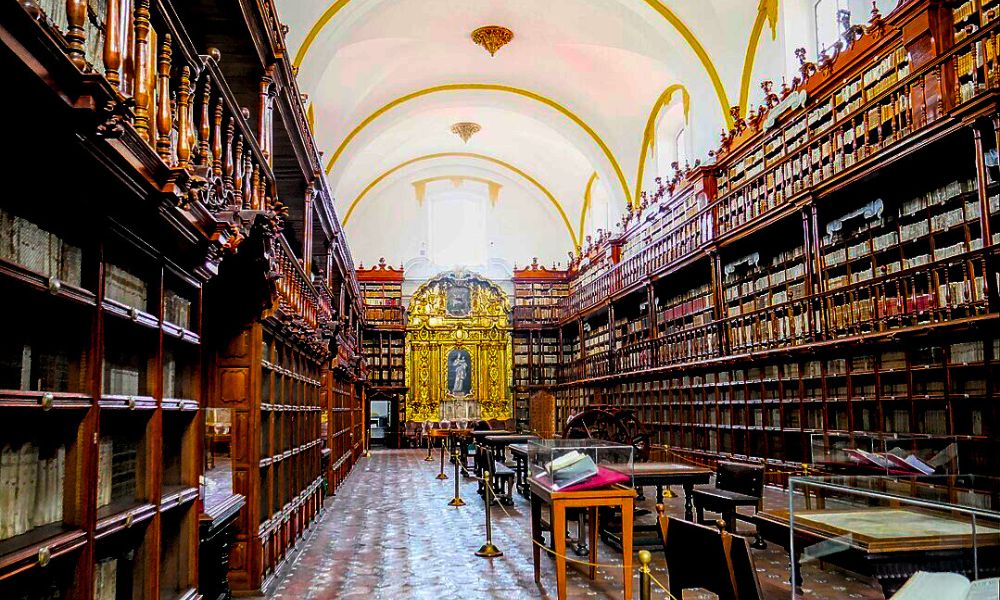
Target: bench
(501,476)
(736,485)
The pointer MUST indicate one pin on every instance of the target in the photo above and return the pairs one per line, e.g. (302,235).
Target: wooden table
(887,544)
(614,497)
(663,474)
(499,443)
(520,454)
(659,474)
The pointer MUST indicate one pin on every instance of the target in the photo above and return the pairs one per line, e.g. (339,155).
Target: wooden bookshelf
(162,211)
(382,292)
(819,276)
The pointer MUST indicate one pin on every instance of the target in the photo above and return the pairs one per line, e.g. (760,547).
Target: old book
(27,475)
(104,471)
(924,585)
(8,489)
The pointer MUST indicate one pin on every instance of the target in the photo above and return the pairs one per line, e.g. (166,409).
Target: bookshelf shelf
(817,277)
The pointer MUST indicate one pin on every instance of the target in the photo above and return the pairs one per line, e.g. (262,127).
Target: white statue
(459,365)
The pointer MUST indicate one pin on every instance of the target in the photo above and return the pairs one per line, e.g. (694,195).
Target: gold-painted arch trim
(493,88)
(587,196)
(649,133)
(767,10)
(657,5)
(471,155)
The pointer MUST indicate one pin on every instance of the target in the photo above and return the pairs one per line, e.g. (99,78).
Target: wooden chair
(704,557)
(501,476)
(736,485)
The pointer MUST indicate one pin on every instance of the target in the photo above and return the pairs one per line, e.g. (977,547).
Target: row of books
(692,302)
(116,469)
(893,67)
(26,367)
(176,309)
(31,487)
(106,579)
(25,244)
(126,287)
(122,380)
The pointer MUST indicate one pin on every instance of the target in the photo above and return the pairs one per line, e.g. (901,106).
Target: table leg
(559,537)
(627,507)
(536,535)
(688,502)
(592,539)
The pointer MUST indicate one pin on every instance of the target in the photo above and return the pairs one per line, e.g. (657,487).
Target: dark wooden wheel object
(619,425)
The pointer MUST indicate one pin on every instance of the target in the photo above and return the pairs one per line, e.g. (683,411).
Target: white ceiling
(568,97)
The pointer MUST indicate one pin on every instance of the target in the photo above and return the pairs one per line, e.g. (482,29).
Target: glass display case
(894,529)
(886,454)
(576,464)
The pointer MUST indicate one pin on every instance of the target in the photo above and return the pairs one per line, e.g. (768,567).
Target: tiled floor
(389,534)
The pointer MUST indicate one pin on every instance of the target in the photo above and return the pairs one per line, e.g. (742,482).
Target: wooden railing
(297,295)
(172,97)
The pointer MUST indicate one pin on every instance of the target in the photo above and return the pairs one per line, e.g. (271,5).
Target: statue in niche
(459,302)
(459,371)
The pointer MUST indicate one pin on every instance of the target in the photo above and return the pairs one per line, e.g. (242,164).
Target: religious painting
(459,301)
(459,372)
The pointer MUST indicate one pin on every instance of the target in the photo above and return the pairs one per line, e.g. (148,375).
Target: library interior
(452,299)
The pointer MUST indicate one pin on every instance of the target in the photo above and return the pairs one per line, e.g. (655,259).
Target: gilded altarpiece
(458,347)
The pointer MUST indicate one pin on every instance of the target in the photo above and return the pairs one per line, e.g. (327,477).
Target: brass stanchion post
(442,474)
(457,500)
(428,458)
(645,584)
(488,550)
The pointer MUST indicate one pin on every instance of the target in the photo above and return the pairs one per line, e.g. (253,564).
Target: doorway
(380,423)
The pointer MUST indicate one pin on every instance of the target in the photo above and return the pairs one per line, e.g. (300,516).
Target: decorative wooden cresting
(458,348)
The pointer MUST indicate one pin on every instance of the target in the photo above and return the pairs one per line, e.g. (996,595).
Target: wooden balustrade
(183,107)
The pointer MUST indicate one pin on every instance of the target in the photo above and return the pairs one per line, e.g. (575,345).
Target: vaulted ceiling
(573,94)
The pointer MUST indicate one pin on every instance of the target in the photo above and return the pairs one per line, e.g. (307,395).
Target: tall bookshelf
(538,296)
(833,273)
(384,338)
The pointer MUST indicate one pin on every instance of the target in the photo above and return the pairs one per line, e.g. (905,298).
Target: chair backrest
(744,570)
(723,563)
(741,478)
(688,569)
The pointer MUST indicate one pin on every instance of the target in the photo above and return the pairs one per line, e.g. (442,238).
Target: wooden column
(143,64)
(113,42)
(76,37)
(307,229)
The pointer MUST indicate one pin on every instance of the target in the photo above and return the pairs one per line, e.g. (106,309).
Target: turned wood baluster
(76,37)
(247,178)
(113,42)
(217,140)
(237,184)
(264,117)
(142,67)
(255,189)
(205,124)
(183,100)
(227,154)
(164,118)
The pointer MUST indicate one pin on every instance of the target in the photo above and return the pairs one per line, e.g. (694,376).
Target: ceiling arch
(662,9)
(587,198)
(469,155)
(648,134)
(495,88)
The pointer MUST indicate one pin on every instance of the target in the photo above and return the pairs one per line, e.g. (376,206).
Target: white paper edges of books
(31,487)
(924,585)
(569,469)
(898,460)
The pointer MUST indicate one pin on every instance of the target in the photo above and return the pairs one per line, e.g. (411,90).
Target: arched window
(827,27)
(671,140)
(458,225)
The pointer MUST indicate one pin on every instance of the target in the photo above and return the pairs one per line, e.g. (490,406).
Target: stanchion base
(456,501)
(441,476)
(428,458)
(489,551)
(669,493)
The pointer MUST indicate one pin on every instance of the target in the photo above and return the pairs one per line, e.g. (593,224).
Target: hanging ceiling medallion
(465,130)
(492,37)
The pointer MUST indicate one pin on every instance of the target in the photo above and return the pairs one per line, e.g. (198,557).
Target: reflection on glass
(218,463)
